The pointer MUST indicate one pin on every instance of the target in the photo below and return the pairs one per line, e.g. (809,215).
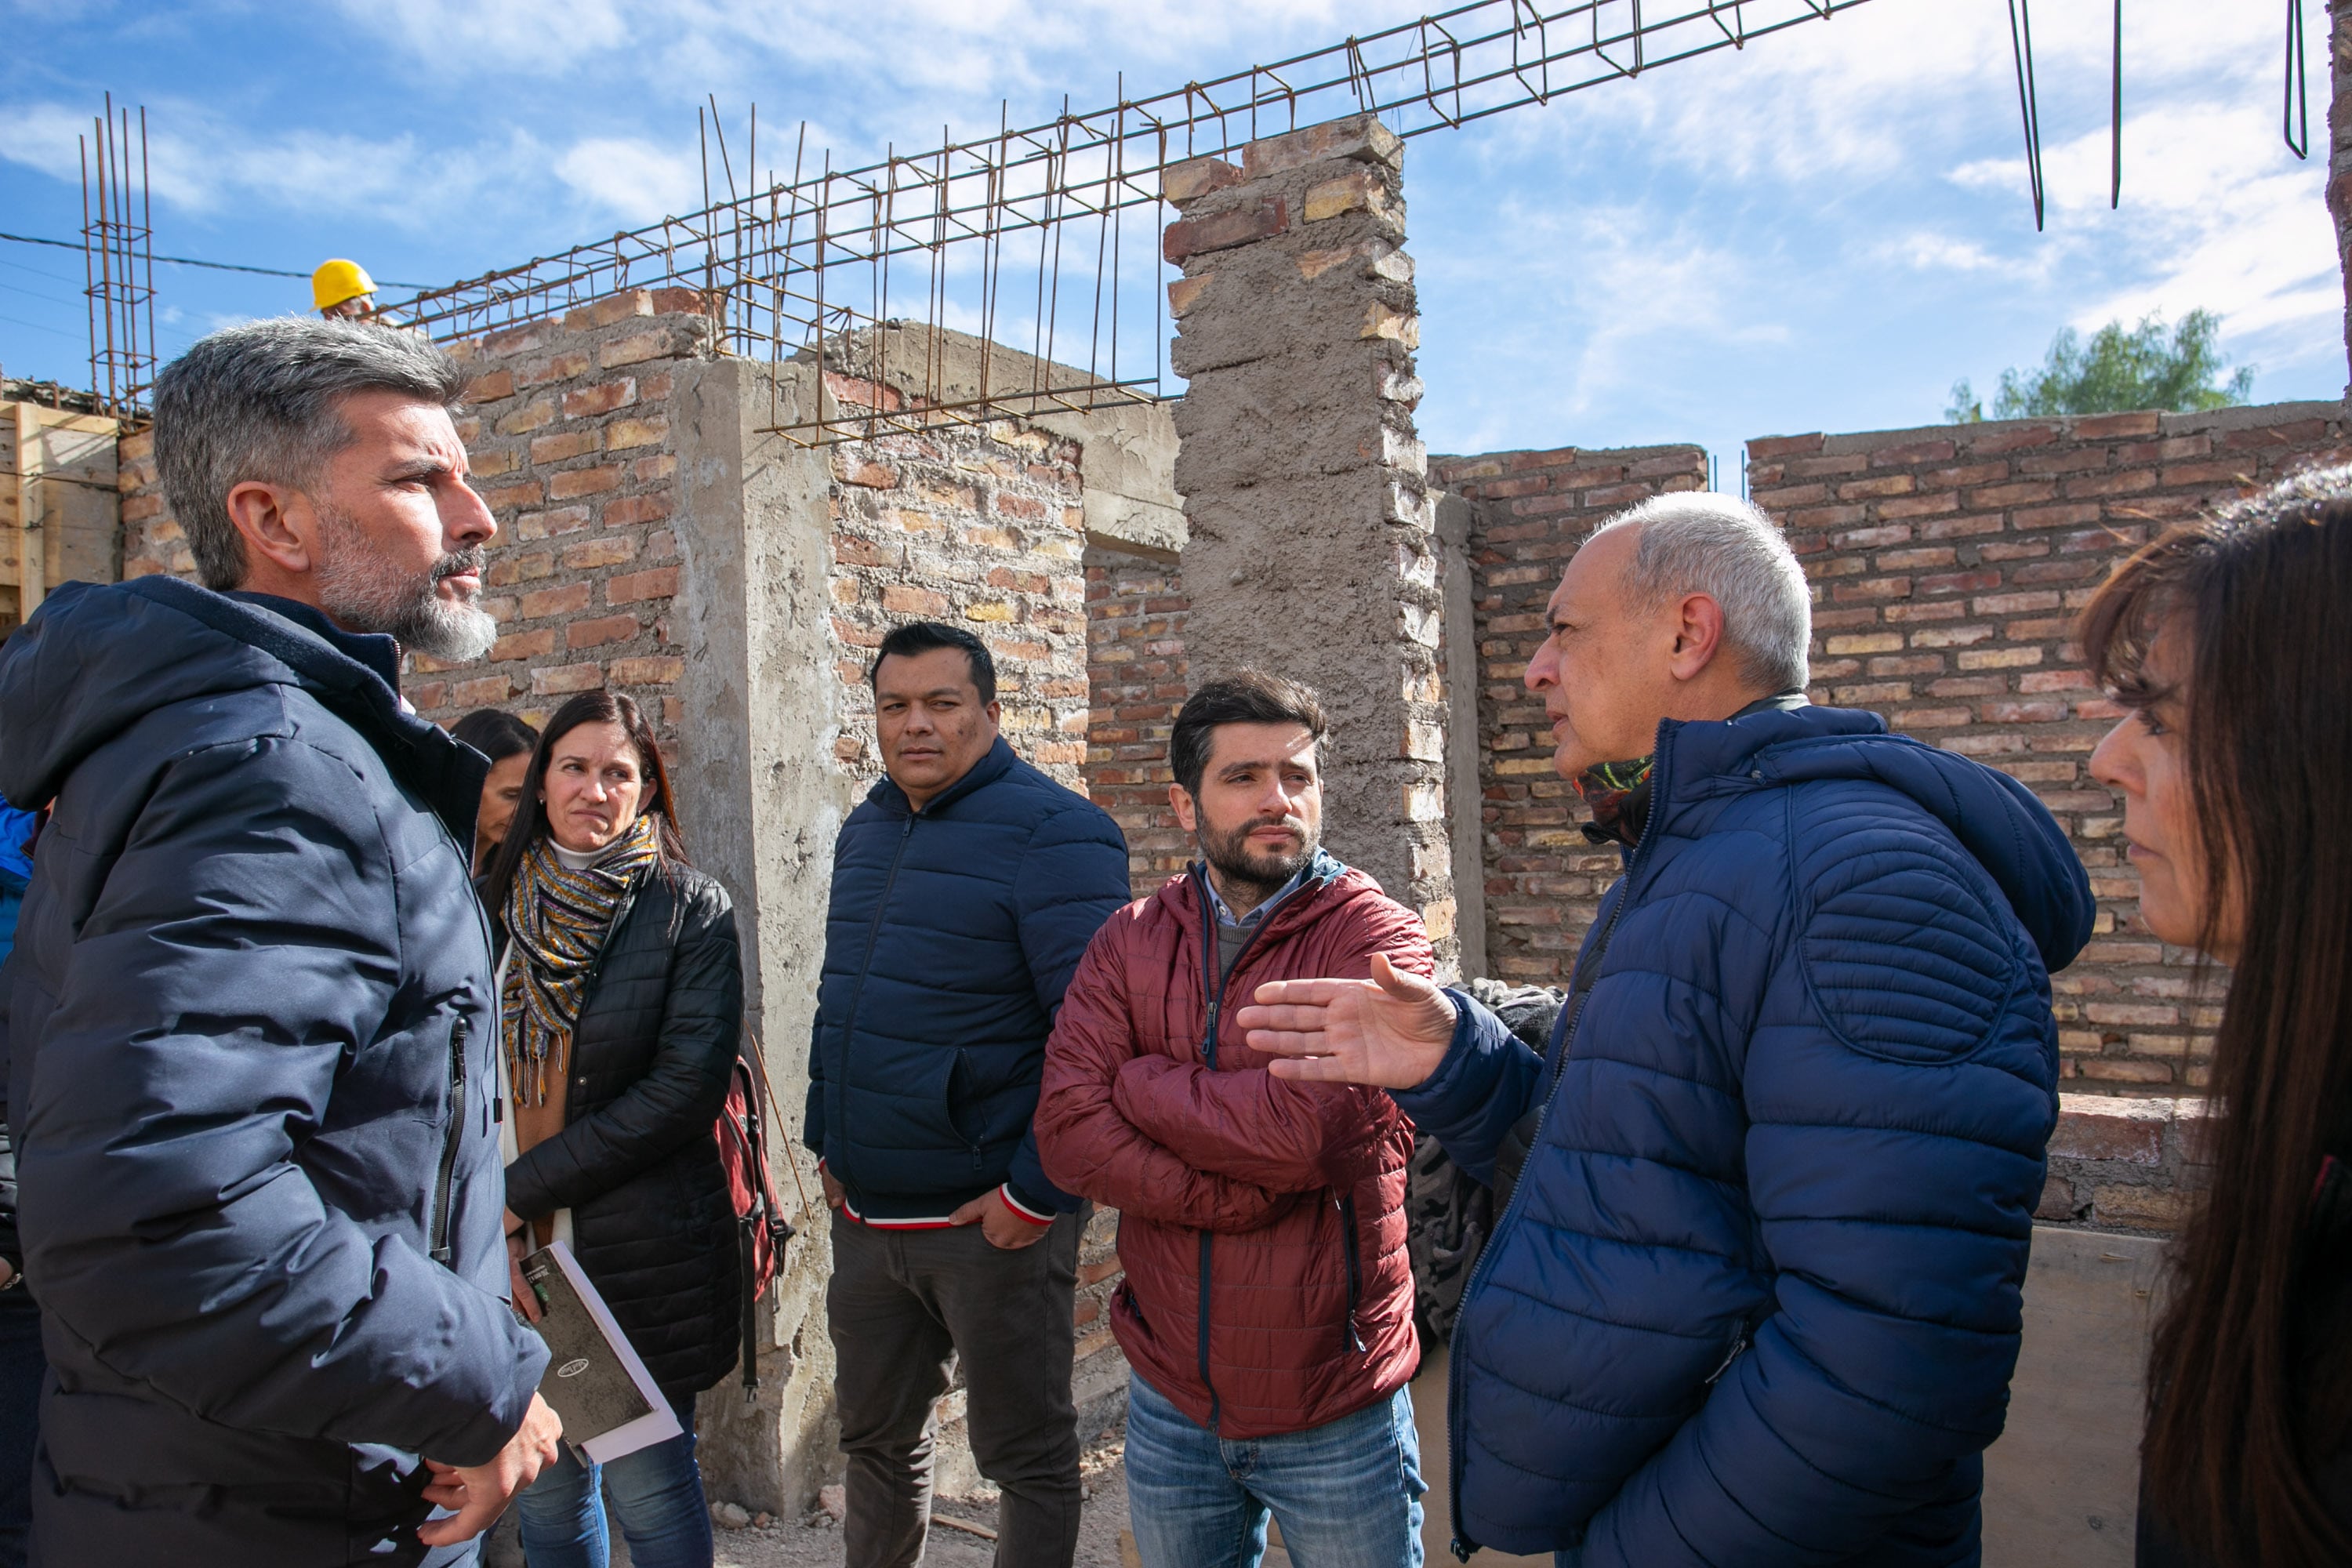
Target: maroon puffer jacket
(1261,1220)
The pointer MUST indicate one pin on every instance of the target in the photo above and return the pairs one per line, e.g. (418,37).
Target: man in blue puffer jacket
(1755,1297)
(965,890)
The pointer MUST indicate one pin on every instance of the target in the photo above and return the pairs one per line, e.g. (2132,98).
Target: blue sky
(1819,233)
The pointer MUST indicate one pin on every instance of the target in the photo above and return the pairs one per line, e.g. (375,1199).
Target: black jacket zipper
(857,995)
(1590,971)
(1354,1340)
(444,1189)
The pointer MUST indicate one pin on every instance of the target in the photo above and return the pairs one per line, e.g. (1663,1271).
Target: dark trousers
(903,1306)
(22,1366)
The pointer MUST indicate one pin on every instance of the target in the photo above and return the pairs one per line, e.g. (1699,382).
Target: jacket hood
(1997,819)
(97,659)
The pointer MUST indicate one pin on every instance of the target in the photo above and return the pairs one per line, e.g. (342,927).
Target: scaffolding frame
(118,235)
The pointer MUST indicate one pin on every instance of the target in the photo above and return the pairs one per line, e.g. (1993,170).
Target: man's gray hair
(1696,541)
(257,403)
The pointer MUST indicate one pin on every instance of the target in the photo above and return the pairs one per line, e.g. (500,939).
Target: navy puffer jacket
(951,935)
(248,1021)
(1756,1298)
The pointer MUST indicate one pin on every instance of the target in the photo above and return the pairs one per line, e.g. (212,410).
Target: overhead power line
(192,261)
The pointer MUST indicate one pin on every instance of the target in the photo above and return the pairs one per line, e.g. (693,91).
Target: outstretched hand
(1390,1031)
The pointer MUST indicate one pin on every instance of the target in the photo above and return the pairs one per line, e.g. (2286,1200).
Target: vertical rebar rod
(88,266)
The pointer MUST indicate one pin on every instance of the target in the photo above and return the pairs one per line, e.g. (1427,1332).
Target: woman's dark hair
(1244,697)
(922,636)
(495,733)
(530,814)
(2250,1388)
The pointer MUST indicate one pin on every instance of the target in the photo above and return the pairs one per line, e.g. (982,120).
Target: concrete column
(2339,148)
(1312,549)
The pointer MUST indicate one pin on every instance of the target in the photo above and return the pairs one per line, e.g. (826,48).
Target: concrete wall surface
(2062,1485)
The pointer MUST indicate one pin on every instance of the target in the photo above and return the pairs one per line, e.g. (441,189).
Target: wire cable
(192,261)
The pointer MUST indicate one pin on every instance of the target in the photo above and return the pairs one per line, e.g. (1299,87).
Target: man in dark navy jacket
(248,1015)
(965,890)
(1754,1295)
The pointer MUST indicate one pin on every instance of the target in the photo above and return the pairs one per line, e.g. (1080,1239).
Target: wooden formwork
(60,510)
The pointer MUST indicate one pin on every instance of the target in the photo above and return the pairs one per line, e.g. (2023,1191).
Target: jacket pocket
(906,1136)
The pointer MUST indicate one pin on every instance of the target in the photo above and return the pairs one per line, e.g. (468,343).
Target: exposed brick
(571,484)
(902,600)
(627,510)
(593,554)
(557,680)
(601,630)
(536,643)
(653,669)
(590,401)
(623,434)
(656,583)
(563,444)
(568,600)
(1256,220)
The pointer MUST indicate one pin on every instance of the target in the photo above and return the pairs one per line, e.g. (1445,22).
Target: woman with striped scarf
(621,998)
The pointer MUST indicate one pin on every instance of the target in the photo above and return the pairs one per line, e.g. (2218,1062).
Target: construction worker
(343,289)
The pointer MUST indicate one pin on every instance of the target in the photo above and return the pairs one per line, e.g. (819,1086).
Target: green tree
(2145,367)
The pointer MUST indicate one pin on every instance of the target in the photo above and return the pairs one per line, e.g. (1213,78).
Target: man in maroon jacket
(1268,1305)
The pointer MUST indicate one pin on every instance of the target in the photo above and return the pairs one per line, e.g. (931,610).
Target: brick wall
(1530,511)
(1136,671)
(1947,565)
(2123,1164)
(568,426)
(151,541)
(979,527)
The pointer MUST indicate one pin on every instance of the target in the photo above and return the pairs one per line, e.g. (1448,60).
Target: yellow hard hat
(338,281)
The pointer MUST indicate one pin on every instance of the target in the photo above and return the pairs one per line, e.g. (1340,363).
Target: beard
(1256,870)
(364,593)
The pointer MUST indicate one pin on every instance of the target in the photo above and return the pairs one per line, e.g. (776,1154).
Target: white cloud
(202,163)
(633,179)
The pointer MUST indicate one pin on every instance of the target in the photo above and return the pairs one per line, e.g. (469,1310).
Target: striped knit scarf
(557,919)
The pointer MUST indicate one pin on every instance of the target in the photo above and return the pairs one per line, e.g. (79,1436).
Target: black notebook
(595,1381)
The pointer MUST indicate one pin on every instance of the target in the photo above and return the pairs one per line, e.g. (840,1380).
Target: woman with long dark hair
(2224,638)
(621,1002)
(507,742)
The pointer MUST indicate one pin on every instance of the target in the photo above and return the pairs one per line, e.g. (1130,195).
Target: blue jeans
(656,1495)
(1346,1493)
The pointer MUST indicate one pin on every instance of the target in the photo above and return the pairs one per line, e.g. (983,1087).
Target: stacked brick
(1948,564)
(152,540)
(2123,1164)
(1312,544)
(1135,670)
(1530,511)
(984,528)
(568,428)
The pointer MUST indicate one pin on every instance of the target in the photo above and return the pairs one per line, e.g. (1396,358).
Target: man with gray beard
(248,1017)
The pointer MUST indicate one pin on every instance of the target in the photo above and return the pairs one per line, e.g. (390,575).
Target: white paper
(655,1425)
